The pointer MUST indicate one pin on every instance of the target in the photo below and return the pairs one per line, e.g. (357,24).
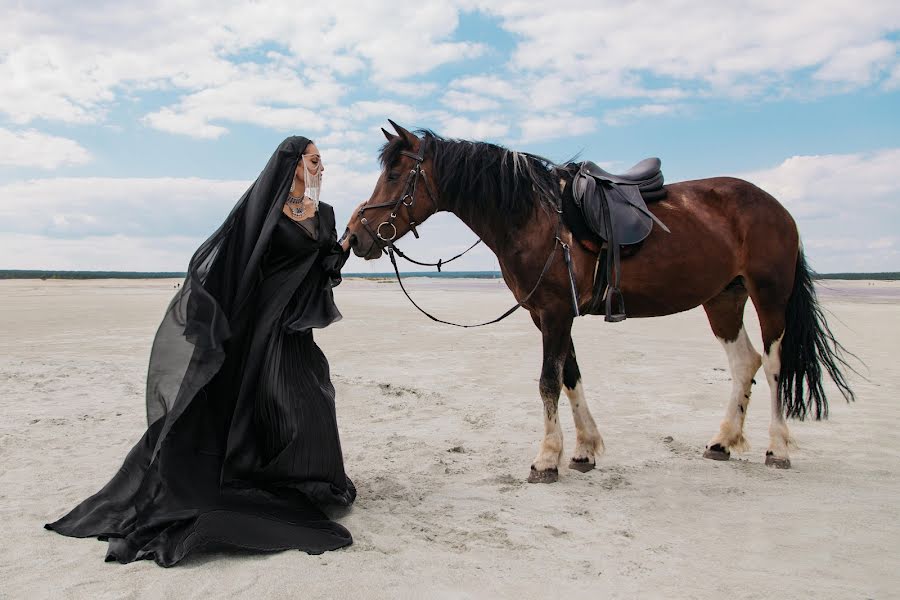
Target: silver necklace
(296,211)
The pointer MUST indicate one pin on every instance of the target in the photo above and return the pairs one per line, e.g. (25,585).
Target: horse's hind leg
(588,443)
(726,317)
(770,295)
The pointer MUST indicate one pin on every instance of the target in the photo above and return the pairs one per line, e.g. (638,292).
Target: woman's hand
(345,241)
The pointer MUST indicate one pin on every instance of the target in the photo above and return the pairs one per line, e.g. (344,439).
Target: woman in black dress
(242,443)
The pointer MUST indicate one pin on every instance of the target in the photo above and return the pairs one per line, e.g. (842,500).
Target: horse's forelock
(390,151)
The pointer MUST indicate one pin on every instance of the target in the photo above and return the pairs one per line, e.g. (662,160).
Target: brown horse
(729,241)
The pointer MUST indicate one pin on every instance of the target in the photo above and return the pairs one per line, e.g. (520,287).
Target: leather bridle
(407,198)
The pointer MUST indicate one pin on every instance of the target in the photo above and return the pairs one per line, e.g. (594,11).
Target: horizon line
(110,274)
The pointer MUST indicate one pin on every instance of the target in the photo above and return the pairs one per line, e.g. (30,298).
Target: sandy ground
(439,426)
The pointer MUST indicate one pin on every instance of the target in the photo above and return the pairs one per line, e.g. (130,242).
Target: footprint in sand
(479,421)
(506,483)
(614,481)
(680,448)
(555,532)
(389,389)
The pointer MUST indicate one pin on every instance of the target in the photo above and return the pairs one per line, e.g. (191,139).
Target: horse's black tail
(808,346)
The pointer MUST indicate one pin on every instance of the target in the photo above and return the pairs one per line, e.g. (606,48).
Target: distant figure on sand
(242,443)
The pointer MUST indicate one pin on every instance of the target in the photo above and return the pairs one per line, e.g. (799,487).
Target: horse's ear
(387,134)
(410,138)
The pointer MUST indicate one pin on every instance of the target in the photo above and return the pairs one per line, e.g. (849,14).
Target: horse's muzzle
(371,252)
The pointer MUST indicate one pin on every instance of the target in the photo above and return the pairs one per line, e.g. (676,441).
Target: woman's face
(313,161)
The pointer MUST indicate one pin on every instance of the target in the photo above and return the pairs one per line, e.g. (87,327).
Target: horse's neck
(491,235)
(511,242)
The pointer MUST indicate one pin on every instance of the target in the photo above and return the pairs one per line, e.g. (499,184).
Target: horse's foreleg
(557,339)
(588,443)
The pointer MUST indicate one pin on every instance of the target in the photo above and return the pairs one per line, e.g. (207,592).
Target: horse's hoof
(582,464)
(717,452)
(547,476)
(777,463)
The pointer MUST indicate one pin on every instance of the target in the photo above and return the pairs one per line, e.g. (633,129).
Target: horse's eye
(392,175)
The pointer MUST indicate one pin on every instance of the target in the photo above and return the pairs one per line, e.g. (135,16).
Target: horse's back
(733,205)
(724,191)
(720,228)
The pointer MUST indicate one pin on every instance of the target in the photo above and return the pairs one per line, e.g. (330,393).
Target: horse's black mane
(476,177)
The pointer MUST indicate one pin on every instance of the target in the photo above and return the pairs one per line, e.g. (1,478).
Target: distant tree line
(885,276)
(35,274)
(17,274)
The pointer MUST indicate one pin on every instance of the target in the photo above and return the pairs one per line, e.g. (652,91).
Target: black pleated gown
(254,455)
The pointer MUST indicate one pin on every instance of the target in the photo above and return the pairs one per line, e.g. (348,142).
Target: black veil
(212,305)
(242,445)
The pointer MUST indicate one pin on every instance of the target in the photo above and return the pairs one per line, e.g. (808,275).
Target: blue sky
(128,131)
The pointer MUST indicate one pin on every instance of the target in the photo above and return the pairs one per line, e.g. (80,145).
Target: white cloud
(98,206)
(273,65)
(413,89)
(105,222)
(833,184)
(544,127)
(276,98)
(468,102)
(31,148)
(883,243)
(183,121)
(473,129)
(621,116)
(893,82)
(847,207)
(687,44)
(199,68)
(97,253)
(859,64)
(383,110)
(71,62)
(350,156)
(343,136)
(488,86)
(146,207)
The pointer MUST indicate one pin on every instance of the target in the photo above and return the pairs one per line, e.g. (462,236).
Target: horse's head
(403,196)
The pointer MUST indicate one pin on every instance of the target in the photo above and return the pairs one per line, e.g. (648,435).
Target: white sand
(655,520)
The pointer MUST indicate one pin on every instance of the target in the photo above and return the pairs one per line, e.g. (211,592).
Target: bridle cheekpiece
(386,232)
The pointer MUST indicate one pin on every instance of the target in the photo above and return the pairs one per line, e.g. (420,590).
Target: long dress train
(251,458)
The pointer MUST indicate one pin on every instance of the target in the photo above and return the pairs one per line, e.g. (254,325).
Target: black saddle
(644,174)
(614,208)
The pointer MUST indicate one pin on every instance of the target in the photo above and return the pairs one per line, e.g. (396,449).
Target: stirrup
(619,315)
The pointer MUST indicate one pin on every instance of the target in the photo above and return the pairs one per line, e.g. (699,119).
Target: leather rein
(407,198)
